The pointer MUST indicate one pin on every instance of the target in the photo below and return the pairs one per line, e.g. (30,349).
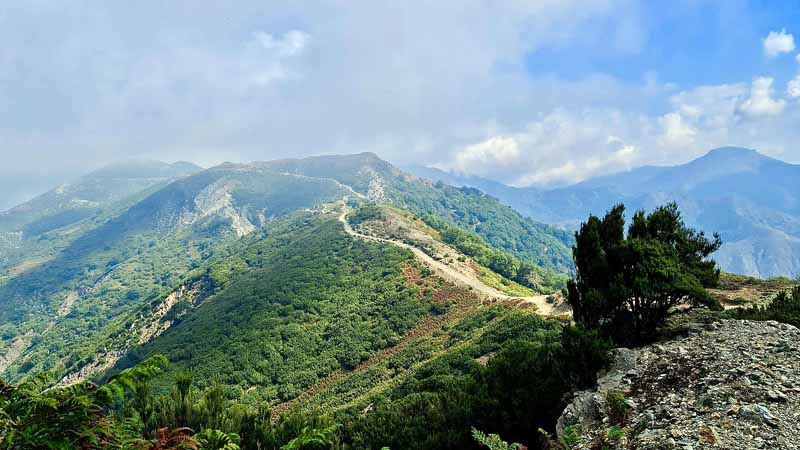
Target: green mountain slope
(71,202)
(304,300)
(67,302)
(35,231)
(466,208)
(154,269)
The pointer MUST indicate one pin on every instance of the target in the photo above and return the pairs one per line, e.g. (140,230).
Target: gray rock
(703,391)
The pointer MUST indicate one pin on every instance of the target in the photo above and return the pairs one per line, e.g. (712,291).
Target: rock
(777,396)
(735,385)
(708,435)
(584,410)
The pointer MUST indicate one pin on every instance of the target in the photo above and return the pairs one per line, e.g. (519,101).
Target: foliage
(785,307)
(312,300)
(498,261)
(178,439)
(314,439)
(627,286)
(35,416)
(520,389)
(211,439)
(615,433)
(503,284)
(571,436)
(618,407)
(366,213)
(493,441)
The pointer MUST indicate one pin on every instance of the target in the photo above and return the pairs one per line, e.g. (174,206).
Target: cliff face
(728,385)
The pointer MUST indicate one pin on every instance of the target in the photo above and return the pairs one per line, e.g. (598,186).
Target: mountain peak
(144,168)
(732,150)
(729,153)
(729,160)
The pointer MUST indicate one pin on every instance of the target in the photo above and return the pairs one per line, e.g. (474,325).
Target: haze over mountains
(752,200)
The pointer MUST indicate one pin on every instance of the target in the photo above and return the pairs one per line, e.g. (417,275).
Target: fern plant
(494,442)
(210,439)
(33,415)
(314,439)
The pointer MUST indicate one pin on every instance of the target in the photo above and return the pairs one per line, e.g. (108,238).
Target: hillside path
(455,276)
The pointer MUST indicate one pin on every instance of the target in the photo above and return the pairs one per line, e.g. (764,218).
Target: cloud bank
(543,92)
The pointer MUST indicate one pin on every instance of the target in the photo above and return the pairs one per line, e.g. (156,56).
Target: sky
(542,93)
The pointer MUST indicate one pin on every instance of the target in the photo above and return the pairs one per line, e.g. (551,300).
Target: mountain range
(145,257)
(333,287)
(752,200)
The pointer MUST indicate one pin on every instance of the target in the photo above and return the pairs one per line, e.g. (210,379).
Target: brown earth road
(455,276)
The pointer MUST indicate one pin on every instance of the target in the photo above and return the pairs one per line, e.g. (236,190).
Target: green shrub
(784,308)
(618,408)
(571,436)
(493,441)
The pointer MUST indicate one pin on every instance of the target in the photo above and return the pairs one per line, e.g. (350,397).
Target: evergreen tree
(627,285)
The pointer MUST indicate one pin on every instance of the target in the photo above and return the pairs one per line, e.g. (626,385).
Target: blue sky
(544,93)
(688,44)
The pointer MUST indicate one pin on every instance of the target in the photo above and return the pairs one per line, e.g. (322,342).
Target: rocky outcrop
(727,385)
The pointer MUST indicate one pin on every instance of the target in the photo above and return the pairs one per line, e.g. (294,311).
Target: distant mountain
(752,200)
(73,201)
(33,231)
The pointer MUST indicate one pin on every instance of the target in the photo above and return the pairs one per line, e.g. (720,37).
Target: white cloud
(777,43)
(560,147)
(292,43)
(570,145)
(760,102)
(404,79)
(793,87)
(495,153)
(676,132)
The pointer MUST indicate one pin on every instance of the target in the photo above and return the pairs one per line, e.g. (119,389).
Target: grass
(503,284)
(741,290)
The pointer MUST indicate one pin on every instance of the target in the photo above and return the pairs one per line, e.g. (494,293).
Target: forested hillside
(466,208)
(106,288)
(249,277)
(292,305)
(33,232)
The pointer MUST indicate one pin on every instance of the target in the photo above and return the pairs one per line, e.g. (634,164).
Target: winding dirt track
(455,276)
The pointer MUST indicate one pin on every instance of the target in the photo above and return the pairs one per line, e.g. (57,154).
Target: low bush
(784,308)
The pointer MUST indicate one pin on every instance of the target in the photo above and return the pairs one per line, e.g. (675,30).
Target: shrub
(618,407)
(571,436)
(493,441)
(784,308)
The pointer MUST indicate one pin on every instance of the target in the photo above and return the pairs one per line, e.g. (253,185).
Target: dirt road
(455,276)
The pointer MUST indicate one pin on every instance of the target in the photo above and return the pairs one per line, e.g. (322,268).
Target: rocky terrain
(725,385)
